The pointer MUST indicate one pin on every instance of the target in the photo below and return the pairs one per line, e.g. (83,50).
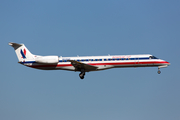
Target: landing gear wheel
(81,75)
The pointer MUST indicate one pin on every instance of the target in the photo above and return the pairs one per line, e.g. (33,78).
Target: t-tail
(22,52)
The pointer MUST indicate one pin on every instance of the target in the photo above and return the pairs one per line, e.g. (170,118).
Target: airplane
(85,64)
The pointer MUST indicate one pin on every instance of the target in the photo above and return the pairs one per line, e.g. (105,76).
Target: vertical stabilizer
(22,52)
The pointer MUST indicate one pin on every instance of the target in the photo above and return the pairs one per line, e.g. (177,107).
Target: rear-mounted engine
(47,59)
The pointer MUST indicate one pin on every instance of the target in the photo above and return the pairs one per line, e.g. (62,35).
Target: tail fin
(22,52)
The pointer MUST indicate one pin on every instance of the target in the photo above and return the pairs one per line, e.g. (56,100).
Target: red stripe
(96,64)
(131,63)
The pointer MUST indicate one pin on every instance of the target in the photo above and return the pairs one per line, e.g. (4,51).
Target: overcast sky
(86,28)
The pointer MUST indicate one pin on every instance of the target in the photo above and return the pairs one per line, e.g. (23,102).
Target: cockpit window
(153,57)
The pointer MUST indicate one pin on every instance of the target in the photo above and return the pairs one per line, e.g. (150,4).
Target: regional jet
(85,64)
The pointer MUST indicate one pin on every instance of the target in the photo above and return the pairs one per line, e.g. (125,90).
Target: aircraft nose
(168,63)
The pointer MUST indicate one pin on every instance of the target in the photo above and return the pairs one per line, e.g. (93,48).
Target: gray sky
(83,27)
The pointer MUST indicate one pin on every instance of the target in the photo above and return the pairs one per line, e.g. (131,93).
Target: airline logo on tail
(23,53)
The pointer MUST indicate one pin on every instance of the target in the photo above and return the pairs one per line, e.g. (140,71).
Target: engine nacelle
(47,59)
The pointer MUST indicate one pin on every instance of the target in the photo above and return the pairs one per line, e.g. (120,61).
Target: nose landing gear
(163,66)
(159,72)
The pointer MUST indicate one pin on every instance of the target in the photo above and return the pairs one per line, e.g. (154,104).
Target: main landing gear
(81,75)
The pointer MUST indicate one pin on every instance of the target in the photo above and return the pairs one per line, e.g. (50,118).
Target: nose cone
(164,64)
(167,63)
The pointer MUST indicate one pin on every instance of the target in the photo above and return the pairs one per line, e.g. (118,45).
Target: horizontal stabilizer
(15,45)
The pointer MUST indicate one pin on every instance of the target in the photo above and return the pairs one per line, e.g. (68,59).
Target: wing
(79,66)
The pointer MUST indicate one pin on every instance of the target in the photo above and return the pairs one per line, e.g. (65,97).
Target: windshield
(153,57)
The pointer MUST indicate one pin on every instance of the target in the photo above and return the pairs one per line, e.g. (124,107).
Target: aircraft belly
(70,68)
(104,67)
(52,66)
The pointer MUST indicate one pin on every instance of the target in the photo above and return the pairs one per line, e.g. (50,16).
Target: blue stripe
(97,60)
(143,58)
(107,59)
(29,62)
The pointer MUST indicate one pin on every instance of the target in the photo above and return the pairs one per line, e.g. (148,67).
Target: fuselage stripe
(99,64)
